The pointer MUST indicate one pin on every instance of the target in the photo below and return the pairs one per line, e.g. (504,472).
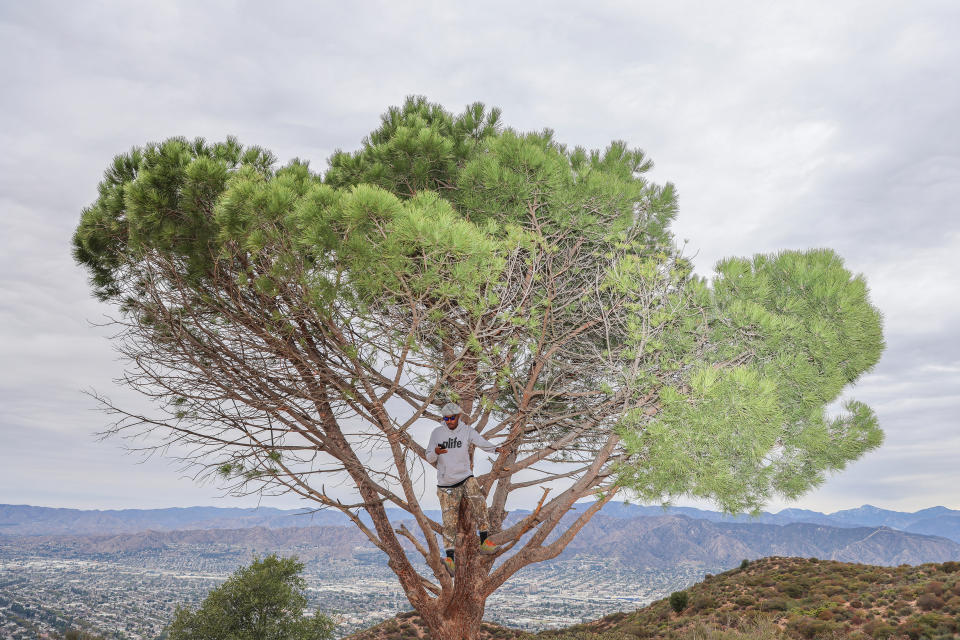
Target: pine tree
(294,327)
(262,601)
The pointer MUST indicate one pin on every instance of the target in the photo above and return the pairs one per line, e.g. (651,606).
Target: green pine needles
(449,209)
(273,312)
(788,333)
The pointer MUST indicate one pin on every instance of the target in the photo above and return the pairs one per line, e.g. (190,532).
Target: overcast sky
(782,126)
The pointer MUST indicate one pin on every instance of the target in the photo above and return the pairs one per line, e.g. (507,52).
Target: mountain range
(31,520)
(935,521)
(645,541)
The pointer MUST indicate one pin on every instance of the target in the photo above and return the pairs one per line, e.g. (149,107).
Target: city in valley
(134,596)
(123,574)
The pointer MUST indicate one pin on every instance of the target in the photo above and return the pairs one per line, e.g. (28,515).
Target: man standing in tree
(448,450)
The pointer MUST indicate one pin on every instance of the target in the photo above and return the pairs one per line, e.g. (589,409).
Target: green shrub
(879,630)
(272,589)
(744,563)
(635,629)
(791,589)
(929,625)
(812,627)
(950,566)
(745,600)
(679,600)
(928,602)
(774,604)
(704,602)
(935,587)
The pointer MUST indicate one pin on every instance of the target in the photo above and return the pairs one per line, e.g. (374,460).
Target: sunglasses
(449,418)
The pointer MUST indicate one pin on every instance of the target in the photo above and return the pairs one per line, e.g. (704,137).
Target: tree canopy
(262,601)
(294,328)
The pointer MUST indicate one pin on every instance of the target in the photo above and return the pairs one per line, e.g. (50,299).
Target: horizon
(634,504)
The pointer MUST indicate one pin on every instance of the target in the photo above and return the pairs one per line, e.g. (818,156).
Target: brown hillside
(771,598)
(799,598)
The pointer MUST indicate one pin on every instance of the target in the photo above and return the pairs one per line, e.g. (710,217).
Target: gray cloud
(783,127)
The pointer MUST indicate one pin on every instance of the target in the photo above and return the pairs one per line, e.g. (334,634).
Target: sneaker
(487,547)
(450,565)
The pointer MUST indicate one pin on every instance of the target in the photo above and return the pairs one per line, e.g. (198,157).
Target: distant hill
(939,521)
(26,520)
(30,520)
(771,598)
(669,540)
(309,543)
(652,541)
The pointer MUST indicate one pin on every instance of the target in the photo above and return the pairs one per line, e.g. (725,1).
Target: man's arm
(483,443)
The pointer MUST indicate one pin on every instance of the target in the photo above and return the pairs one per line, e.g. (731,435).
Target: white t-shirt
(454,465)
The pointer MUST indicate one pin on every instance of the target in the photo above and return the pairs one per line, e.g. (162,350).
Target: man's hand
(439,450)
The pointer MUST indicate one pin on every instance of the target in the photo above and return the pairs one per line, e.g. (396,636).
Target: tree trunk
(461,623)
(460,612)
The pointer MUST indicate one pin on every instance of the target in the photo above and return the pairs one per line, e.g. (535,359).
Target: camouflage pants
(450,504)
